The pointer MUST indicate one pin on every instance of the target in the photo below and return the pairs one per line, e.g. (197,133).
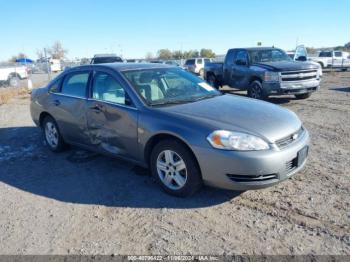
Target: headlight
(227,140)
(271,76)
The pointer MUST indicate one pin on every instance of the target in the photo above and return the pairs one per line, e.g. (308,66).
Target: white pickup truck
(332,59)
(12,74)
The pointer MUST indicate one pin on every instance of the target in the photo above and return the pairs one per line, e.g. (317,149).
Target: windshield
(268,55)
(190,62)
(103,60)
(169,86)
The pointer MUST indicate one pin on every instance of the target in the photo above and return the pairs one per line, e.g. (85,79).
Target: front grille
(286,141)
(291,165)
(290,76)
(242,178)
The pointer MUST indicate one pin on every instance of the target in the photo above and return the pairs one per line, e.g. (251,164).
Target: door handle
(56,102)
(96,107)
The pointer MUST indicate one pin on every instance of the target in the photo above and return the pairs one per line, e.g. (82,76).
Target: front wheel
(303,96)
(256,90)
(175,168)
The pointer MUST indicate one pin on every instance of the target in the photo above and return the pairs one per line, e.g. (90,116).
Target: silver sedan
(164,118)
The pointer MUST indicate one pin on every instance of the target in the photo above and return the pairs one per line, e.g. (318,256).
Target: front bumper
(291,88)
(250,170)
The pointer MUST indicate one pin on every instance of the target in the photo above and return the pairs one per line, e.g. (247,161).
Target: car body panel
(126,131)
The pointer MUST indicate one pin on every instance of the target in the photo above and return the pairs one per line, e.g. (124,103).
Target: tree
(15,57)
(149,56)
(191,54)
(164,54)
(40,53)
(178,54)
(57,51)
(207,53)
(347,46)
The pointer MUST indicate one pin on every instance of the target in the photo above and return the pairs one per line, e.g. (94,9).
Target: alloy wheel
(171,169)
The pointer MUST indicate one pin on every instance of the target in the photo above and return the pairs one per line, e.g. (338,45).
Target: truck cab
(263,72)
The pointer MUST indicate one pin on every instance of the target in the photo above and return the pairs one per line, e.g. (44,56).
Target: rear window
(325,54)
(104,60)
(190,62)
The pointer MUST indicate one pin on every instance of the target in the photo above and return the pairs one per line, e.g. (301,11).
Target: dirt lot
(82,203)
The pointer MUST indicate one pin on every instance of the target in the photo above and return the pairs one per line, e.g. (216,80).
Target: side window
(106,88)
(199,61)
(241,58)
(206,61)
(75,84)
(55,86)
(337,54)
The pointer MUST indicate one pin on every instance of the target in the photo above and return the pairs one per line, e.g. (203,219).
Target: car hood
(236,113)
(287,66)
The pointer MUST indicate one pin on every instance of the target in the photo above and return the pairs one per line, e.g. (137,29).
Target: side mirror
(241,62)
(301,58)
(128,101)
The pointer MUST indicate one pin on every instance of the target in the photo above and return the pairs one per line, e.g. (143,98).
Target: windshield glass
(103,60)
(268,55)
(190,62)
(169,86)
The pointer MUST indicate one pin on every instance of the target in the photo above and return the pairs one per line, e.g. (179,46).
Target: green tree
(191,54)
(207,53)
(347,46)
(178,54)
(164,54)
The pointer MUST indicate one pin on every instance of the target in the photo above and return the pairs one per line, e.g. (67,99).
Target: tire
(256,90)
(13,81)
(211,79)
(303,96)
(52,135)
(166,157)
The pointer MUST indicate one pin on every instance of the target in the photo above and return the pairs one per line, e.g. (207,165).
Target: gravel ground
(83,203)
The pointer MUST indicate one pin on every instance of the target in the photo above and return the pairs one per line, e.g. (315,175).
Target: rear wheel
(52,135)
(256,90)
(175,168)
(211,79)
(303,96)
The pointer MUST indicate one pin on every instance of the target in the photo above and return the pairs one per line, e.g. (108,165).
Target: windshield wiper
(183,101)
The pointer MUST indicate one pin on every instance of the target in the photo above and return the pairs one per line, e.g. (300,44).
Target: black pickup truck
(264,71)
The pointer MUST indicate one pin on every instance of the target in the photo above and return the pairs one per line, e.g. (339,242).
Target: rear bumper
(292,87)
(250,170)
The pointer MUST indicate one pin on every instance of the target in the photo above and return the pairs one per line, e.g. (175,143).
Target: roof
(256,48)
(125,66)
(105,55)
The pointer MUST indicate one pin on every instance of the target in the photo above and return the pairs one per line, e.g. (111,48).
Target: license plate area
(302,155)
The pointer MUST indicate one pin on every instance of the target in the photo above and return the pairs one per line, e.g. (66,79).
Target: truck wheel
(256,90)
(13,81)
(303,96)
(212,81)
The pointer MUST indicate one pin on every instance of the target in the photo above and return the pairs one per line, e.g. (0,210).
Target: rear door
(338,59)
(111,116)
(68,104)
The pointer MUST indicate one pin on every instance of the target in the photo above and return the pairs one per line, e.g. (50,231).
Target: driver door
(112,118)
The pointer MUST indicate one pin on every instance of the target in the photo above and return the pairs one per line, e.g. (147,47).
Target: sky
(134,27)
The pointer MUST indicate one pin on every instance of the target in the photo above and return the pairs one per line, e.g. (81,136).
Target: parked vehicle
(106,58)
(332,59)
(196,65)
(12,74)
(49,64)
(263,72)
(173,122)
(300,54)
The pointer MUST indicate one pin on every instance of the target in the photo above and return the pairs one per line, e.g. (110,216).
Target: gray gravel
(78,202)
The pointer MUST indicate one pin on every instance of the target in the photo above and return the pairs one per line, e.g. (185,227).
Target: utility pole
(48,68)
